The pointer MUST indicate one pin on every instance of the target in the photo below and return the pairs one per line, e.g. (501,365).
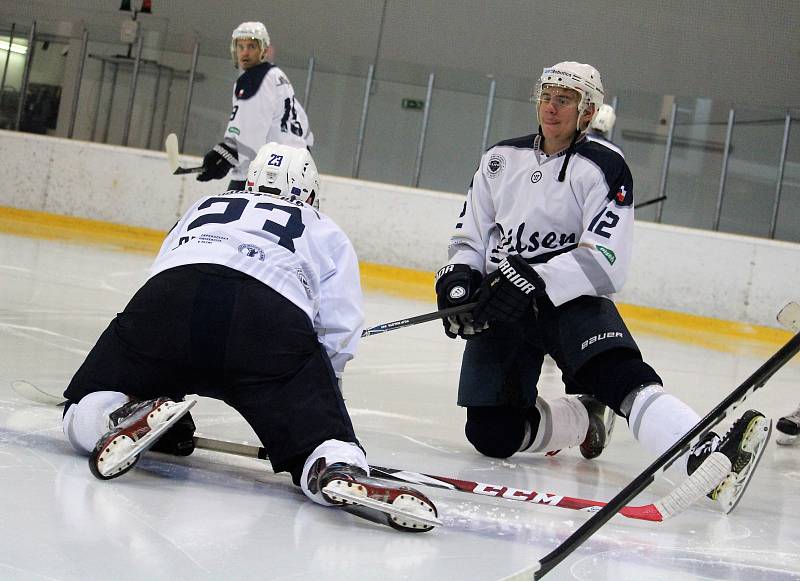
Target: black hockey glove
(218,162)
(457,284)
(508,292)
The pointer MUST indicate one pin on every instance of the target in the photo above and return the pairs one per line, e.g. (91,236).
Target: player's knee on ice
(495,431)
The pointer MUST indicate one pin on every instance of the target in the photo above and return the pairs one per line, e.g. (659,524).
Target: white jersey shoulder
(577,232)
(597,137)
(265,109)
(287,245)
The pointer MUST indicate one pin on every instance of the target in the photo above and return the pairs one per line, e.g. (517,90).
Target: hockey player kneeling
(254,299)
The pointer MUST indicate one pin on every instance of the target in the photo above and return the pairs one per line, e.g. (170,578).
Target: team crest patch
(457,292)
(536,176)
(608,253)
(496,164)
(620,195)
(252,251)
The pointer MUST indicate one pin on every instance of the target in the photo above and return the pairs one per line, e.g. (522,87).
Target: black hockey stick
(648,202)
(418,319)
(643,480)
(171,147)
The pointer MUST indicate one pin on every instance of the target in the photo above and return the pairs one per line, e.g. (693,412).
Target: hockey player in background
(601,126)
(545,236)
(254,299)
(264,109)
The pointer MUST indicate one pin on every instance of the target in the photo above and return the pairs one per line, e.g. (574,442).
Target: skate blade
(143,444)
(338,490)
(734,486)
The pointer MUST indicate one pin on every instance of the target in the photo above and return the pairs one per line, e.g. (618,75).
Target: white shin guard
(87,421)
(658,420)
(333,451)
(563,424)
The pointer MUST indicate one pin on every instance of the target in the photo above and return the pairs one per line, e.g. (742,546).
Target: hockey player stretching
(544,237)
(255,300)
(264,109)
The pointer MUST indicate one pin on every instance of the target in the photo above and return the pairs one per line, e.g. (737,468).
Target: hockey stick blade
(789,316)
(433,316)
(173,151)
(171,147)
(649,202)
(643,480)
(31,392)
(706,477)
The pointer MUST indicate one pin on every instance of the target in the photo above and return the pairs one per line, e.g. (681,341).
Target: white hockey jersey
(287,245)
(577,233)
(264,109)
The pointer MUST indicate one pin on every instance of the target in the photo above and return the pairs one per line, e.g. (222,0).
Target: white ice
(217,516)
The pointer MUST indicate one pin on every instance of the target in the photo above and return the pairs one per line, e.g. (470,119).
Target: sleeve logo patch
(496,164)
(608,253)
(621,194)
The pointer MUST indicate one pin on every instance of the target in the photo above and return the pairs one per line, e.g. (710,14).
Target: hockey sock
(332,452)
(86,422)
(658,420)
(563,423)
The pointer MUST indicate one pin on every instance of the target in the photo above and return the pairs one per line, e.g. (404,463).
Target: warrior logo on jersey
(252,251)
(536,176)
(301,276)
(496,164)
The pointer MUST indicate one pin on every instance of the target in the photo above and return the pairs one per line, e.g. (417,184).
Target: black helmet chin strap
(570,150)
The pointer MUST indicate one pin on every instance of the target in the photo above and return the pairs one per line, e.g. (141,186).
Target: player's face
(248,53)
(558,115)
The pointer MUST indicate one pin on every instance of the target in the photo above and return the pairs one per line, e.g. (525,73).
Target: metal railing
(433,104)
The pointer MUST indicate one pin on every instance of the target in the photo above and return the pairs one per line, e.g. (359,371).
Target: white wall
(724,276)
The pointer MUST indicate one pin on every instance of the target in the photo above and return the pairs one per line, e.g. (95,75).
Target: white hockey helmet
(253,30)
(585,79)
(283,170)
(604,119)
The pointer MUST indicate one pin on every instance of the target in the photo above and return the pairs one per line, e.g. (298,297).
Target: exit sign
(413,104)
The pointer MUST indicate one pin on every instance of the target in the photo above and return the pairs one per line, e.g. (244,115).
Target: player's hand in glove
(457,284)
(218,162)
(508,292)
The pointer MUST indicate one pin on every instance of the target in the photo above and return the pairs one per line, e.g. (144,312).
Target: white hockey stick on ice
(171,147)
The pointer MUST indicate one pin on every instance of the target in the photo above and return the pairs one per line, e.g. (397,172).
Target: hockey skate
(789,429)
(400,507)
(601,424)
(744,444)
(136,427)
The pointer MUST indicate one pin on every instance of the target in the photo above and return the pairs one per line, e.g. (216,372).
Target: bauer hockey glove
(218,162)
(457,284)
(508,292)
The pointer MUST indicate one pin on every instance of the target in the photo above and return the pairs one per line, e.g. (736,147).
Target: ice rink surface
(217,516)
